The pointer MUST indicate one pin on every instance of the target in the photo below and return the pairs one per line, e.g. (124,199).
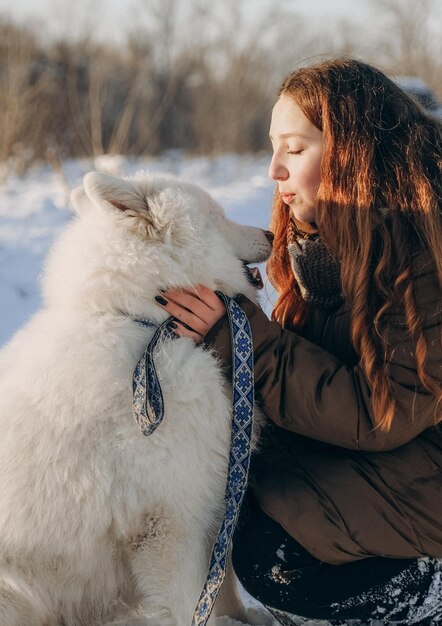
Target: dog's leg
(229,603)
(170,575)
(156,619)
(20,606)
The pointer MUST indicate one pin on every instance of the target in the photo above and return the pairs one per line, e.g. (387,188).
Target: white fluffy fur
(97,522)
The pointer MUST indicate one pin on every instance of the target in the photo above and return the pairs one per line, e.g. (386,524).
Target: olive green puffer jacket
(342,488)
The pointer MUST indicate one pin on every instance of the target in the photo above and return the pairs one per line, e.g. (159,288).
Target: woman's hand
(195,311)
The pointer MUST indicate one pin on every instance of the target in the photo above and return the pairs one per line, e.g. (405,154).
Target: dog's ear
(107,190)
(80,201)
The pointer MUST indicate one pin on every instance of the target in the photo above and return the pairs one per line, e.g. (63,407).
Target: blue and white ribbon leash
(148,403)
(148,407)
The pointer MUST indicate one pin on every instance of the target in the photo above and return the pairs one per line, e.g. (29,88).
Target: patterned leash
(148,402)
(148,407)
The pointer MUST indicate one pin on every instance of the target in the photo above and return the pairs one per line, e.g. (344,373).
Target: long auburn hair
(378,203)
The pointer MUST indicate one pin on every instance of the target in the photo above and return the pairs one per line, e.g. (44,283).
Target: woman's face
(296,161)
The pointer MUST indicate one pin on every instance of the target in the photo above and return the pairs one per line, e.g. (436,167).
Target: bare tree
(195,76)
(411,42)
(23,83)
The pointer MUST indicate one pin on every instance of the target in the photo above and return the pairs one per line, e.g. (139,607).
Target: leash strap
(148,408)
(239,457)
(148,402)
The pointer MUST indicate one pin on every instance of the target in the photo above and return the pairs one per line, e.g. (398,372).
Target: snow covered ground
(35,207)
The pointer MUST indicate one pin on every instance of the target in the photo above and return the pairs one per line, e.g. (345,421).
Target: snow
(35,207)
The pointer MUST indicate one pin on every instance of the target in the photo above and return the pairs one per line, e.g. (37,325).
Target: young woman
(345,505)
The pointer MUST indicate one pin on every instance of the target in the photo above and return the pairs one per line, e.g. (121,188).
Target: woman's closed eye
(295,151)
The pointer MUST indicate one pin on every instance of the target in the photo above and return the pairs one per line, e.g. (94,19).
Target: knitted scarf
(316,270)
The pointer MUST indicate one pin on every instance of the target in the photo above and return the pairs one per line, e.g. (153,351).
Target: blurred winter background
(179,86)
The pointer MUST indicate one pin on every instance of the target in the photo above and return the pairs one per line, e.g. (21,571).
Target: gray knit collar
(316,270)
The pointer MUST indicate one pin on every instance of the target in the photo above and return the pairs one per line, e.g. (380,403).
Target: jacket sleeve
(309,391)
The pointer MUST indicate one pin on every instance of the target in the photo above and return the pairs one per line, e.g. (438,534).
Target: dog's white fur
(98,522)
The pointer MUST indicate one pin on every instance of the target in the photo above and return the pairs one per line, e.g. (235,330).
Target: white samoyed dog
(99,523)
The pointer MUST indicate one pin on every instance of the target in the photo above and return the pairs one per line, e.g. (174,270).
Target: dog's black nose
(269,235)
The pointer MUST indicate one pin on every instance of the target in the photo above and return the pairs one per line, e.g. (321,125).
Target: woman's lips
(287,197)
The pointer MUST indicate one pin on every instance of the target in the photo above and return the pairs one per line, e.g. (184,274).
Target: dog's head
(135,236)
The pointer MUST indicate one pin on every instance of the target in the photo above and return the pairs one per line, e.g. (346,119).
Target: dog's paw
(156,620)
(257,616)
(253,617)
(131,622)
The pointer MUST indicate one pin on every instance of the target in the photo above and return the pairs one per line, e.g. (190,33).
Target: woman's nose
(277,171)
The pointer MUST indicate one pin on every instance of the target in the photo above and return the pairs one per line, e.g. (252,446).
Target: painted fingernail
(186,326)
(161,300)
(173,325)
